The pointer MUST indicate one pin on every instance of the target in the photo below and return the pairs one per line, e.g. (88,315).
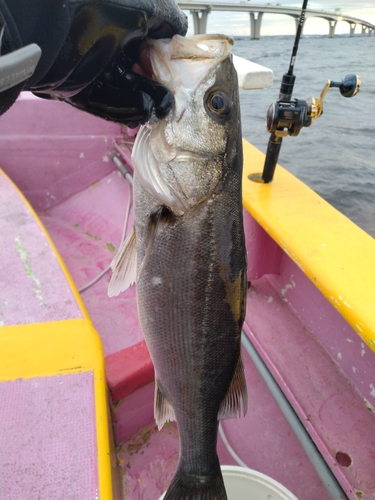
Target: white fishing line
(95,280)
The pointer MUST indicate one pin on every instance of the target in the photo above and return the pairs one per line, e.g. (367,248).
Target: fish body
(190,252)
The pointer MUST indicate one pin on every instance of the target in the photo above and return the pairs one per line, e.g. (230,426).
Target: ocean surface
(336,155)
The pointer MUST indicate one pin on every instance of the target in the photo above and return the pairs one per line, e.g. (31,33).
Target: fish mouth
(132,71)
(155,62)
(142,65)
(204,50)
(166,20)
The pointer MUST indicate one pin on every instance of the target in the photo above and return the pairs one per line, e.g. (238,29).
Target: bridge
(201,10)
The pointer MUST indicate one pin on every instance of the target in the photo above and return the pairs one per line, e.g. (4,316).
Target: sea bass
(188,242)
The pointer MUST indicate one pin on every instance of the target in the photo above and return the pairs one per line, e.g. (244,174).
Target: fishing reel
(289,116)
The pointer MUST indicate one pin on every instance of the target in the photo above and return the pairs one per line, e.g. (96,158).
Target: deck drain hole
(343,459)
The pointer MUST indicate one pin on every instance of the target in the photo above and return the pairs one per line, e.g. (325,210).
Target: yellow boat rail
(334,253)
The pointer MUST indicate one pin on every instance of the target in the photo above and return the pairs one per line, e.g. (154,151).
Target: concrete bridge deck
(200,11)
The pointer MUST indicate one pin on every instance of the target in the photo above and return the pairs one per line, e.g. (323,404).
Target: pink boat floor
(82,201)
(29,294)
(87,234)
(58,459)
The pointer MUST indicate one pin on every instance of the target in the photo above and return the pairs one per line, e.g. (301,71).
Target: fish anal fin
(124,266)
(163,409)
(235,402)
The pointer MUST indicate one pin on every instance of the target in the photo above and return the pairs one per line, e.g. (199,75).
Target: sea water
(336,155)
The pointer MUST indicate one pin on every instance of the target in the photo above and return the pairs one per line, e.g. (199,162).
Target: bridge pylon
(200,20)
(352,28)
(255,25)
(332,26)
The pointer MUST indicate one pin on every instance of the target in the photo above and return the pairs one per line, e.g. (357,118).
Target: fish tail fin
(194,487)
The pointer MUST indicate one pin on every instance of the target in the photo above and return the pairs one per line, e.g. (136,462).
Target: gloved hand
(89,48)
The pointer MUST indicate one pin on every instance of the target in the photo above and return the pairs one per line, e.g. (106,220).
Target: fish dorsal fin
(124,266)
(163,409)
(235,401)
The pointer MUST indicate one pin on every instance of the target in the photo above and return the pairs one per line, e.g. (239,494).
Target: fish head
(183,157)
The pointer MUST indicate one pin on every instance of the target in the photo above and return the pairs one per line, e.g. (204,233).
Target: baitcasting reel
(288,116)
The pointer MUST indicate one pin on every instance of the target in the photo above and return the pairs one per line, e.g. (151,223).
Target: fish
(186,253)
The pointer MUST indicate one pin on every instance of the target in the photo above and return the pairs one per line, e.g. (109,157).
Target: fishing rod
(287,116)
(275,110)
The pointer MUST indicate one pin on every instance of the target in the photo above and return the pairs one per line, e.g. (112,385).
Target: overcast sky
(273,24)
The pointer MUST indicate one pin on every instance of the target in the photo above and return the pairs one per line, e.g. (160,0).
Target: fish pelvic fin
(195,487)
(163,409)
(124,266)
(235,402)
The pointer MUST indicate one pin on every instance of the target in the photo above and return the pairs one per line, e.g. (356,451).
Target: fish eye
(218,104)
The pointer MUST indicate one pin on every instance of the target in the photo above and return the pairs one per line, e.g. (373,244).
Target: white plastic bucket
(248,484)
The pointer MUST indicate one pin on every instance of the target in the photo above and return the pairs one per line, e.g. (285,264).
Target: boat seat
(54,441)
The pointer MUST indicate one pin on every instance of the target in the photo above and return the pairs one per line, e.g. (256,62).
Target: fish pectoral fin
(124,266)
(163,409)
(163,215)
(235,402)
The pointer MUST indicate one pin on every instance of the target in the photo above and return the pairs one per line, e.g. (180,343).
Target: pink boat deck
(318,360)
(30,295)
(47,439)
(47,423)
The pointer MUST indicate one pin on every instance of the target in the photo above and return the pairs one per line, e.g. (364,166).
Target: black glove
(88,50)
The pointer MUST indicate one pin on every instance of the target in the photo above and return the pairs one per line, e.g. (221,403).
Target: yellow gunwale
(58,348)
(334,253)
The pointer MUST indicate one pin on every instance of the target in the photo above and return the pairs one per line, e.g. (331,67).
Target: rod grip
(273,150)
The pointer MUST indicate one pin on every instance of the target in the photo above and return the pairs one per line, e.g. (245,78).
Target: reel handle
(349,86)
